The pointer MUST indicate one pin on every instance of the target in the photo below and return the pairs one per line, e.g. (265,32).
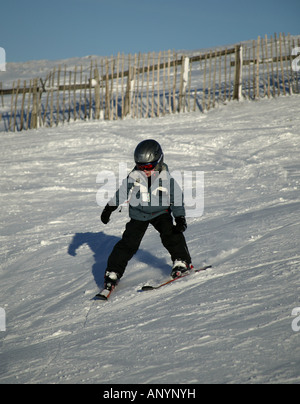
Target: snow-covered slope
(230,324)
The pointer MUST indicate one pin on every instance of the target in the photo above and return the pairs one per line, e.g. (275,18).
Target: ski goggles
(147,166)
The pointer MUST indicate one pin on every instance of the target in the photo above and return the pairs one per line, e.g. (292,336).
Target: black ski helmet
(149,151)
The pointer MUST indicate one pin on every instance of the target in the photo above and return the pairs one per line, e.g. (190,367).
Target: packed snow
(229,324)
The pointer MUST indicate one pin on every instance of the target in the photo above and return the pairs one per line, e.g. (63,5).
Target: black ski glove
(107,211)
(180,224)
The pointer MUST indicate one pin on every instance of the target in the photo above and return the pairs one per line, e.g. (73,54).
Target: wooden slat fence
(268,68)
(152,85)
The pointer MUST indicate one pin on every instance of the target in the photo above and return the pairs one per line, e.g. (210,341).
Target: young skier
(153,195)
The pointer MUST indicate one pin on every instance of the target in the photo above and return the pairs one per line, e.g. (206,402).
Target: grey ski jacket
(149,197)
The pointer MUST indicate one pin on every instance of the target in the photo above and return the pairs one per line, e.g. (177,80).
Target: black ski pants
(124,250)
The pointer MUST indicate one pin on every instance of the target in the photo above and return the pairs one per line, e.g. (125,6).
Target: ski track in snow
(229,324)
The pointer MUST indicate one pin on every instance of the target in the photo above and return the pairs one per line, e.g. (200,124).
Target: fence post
(22,107)
(238,74)
(129,90)
(184,77)
(34,117)
(1,90)
(16,102)
(97,93)
(57,96)
(257,76)
(28,105)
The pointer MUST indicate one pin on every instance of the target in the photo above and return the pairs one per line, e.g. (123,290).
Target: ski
(104,294)
(191,271)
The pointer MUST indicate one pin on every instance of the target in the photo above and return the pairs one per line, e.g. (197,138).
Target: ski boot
(110,280)
(179,268)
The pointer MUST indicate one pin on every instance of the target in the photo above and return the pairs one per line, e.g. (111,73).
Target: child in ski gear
(153,195)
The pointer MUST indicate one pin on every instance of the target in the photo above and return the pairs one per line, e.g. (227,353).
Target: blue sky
(52,29)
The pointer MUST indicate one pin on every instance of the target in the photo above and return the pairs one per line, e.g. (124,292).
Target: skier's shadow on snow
(101,245)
